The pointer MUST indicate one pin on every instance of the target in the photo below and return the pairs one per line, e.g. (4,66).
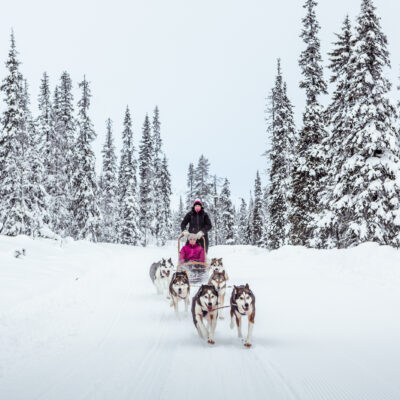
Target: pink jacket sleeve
(201,258)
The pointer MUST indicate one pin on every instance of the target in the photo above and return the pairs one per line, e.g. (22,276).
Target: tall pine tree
(310,169)
(84,204)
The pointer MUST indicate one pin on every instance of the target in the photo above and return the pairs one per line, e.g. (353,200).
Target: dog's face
(208,297)
(166,267)
(243,297)
(217,265)
(180,283)
(218,280)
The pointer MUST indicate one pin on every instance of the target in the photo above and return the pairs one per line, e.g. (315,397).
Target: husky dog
(160,274)
(217,265)
(217,279)
(243,302)
(179,288)
(204,306)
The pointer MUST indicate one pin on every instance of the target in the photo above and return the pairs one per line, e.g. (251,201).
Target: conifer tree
(63,158)
(202,186)
(190,184)
(227,214)
(279,168)
(158,221)
(45,128)
(366,195)
(128,209)
(257,217)
(165,204)
(145,187)
(84,205)
(15,210)
(310,169)
(242,223)
(108,188)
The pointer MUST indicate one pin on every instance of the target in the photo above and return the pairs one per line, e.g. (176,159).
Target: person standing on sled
(199,223)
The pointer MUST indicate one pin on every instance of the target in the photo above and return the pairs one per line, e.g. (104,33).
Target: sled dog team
(208,299)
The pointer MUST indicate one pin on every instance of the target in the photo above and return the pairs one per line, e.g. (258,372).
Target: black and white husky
(217,279)
(243,302)
(179,289)
(217,265)
(204,307)
(161,273)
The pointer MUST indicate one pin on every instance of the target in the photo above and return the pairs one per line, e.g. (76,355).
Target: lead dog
(179,289)
(204,306)
(218,280)
(243,302)
(217,265)
(160,274)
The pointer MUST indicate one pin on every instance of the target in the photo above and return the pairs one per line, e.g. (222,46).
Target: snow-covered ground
(83,321)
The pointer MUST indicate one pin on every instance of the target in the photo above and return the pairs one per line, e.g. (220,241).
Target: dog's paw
(247,344)
(211,341)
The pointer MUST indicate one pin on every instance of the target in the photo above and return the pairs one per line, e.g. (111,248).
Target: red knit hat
(197,201)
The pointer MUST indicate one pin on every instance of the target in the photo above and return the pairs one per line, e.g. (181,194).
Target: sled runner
(198,271)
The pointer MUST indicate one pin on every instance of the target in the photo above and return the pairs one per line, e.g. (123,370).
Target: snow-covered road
(83,321)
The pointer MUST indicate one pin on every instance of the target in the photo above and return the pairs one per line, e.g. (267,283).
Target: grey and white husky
(161,273)
(179,289)
(218,280)
(204,307)
(243,303)
(217,265)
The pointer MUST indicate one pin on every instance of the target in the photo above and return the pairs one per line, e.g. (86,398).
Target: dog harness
(236,308)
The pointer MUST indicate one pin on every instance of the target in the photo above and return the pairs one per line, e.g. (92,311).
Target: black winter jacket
(197,221)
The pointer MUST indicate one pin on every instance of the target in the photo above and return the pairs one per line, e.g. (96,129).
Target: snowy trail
(84,322)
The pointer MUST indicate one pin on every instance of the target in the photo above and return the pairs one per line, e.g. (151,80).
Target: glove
(200,234)
(185,233)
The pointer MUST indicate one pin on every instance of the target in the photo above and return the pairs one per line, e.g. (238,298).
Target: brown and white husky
(179,289)
(204,307)
(243,303)
(217,279)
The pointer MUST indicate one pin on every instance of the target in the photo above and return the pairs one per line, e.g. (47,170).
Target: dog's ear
(186,273)
(247,286)
(220,260)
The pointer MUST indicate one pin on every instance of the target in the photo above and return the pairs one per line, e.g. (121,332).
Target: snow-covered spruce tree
(227,214)
(158,224)
(108,189)
(327,223)
(214,212)
(242,222)
(60,188)
(145,186)
(19,206)
(36,197)
(164,213)
(190,185)
(249,228)
(202,185)
(276,235)
(128,207)
(84,204)
(257,217)
(45,129)
(310,169)
(366,195)
(177,219)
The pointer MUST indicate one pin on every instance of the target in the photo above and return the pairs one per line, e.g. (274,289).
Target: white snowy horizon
(208,67)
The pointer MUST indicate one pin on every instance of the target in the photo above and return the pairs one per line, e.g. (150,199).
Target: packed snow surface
(83,321)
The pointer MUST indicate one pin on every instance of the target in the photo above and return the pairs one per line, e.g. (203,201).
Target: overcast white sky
(208,66)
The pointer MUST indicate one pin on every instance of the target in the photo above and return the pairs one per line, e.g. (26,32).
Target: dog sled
(197,270)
